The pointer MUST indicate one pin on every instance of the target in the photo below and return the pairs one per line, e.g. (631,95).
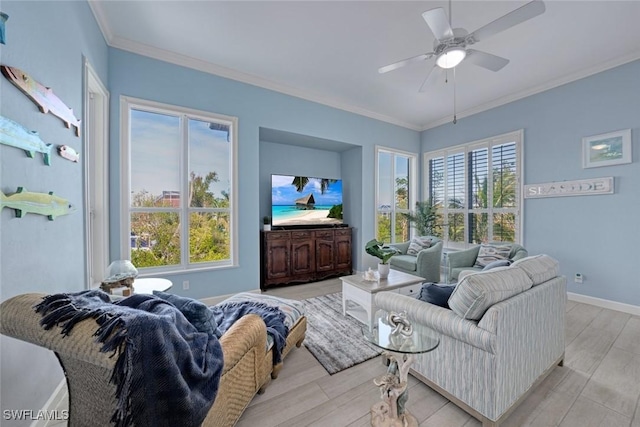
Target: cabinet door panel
(278,259)
(302,259)
(324,255)
(343,252)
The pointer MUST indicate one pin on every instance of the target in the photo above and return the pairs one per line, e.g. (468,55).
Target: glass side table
(401,341)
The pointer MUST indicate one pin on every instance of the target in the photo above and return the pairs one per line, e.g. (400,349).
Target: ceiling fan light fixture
(451,57)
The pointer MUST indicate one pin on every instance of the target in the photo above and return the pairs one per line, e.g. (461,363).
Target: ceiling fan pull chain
(455,119)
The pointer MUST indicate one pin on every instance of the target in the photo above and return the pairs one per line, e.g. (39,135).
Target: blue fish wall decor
(3,19)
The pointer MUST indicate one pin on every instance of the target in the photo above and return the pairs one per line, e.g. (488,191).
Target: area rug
(335,340)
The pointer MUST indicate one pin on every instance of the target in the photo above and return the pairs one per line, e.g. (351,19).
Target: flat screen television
(299,201)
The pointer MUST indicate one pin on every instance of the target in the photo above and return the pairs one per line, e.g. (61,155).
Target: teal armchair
(466,259)
(425,264)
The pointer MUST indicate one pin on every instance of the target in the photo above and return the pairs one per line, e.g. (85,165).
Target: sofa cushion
(475,293)
(490,252)
(539,268)
(292,309)
(417,244)
(405,262)
(436,294)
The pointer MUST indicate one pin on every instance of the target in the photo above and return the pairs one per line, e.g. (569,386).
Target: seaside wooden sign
(582,187)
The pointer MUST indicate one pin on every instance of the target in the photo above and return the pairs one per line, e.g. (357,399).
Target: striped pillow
(417,244)
(492,252)
(475,293)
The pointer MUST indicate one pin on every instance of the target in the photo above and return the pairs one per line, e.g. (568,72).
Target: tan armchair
(247,368)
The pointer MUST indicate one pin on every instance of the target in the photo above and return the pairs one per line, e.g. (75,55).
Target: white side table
(149,284)
(363,292)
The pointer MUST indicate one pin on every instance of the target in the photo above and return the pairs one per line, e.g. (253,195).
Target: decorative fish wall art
(16,135)
(42,96)
(3,19)
(24,202)
(68,153)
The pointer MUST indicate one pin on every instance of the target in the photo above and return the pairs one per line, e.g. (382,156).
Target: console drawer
(412,291)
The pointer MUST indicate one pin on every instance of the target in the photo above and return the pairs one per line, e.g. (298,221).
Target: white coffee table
(363,292)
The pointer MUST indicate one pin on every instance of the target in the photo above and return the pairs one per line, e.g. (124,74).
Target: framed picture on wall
(608,149)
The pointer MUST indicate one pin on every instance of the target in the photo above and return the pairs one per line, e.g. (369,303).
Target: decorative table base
(394,394)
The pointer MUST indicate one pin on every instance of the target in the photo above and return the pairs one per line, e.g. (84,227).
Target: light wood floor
(599,384)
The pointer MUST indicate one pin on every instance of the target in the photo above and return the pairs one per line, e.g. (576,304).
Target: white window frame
(413,186)
(489,143)
(128,103)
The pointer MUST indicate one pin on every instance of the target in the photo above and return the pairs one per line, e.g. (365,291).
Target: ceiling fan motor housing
(459,40)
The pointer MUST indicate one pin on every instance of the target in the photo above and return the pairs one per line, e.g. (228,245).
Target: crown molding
(103,24)
(208,67)
(211,68)
(537,89)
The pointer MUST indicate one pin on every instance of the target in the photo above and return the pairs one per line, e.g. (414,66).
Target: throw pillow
(539,268)
(194,311)
(475,293)
(436,294)
(498,263)
(492,252)
(417,244)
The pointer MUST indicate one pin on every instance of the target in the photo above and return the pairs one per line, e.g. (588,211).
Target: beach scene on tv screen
(299,200)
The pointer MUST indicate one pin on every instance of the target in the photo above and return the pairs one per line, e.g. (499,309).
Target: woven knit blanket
(167,372)
(226,314)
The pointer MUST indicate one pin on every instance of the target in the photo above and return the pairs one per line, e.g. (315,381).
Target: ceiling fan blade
(404,62)
(431,79)
(528,11)
(486,60)
(437,21)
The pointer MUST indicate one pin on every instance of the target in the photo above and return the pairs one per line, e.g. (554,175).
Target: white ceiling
(329,52)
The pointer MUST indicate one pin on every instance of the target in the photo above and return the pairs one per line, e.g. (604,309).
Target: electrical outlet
(185,285)
(578,278)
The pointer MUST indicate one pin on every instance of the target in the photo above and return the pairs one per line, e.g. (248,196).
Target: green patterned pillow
(417,244)
(492,252)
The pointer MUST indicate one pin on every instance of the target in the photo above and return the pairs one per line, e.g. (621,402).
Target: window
(470,210)
(178,187)
(395,193)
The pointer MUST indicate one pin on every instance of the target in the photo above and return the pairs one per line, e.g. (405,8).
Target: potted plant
(424,218)
(266,221)
(384,253)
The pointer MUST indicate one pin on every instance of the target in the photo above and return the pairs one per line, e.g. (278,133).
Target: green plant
(266,220)
(335,211)
(377,249)
(424,218)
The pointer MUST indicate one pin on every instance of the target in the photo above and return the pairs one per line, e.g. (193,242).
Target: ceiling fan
(451,45)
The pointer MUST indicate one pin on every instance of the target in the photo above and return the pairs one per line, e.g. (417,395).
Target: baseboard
(220,298)
(605,303)
(56,398)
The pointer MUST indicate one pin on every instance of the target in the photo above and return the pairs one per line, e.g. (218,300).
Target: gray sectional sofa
(503,335)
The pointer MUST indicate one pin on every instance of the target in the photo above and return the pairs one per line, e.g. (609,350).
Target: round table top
(147,285)
(413,339)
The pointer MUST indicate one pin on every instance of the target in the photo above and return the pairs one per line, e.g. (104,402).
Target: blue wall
(141,77)
(594,235)
(47,40)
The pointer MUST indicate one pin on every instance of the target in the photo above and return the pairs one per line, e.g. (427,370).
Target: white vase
(383,271)
(266,227)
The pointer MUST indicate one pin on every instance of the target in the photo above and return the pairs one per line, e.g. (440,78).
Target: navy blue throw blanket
(167,372)
(227,313)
